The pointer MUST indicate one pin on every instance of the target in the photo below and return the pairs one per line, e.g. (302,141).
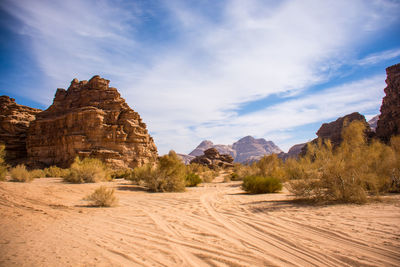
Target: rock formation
(333,130)
(389,120)
(293,152)
(213,159)
(373,123)
(206,144)
(90,119)
(247,148)
(250,148)
(14,124)
(185,158)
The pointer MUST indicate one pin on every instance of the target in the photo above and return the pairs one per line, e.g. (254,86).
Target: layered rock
(245,150)
(90,119)
(14,124)
(389,120)
(213,159)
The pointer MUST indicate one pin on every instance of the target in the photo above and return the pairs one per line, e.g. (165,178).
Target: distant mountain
(247,148)
(186,158)
(373,123)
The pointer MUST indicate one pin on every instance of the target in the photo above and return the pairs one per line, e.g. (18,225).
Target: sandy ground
(46,223)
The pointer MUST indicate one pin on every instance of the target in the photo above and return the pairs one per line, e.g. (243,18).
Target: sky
(206,69)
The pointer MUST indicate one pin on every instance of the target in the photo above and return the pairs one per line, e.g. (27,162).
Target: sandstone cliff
(14,124)
(389,120)
(89,119)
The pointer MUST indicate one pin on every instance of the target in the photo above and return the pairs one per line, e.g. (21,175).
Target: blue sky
(216,70)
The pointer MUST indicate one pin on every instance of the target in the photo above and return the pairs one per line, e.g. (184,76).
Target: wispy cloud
(217,57)
(378,57)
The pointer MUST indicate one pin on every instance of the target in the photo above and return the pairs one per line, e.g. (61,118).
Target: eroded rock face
(89,119)
(389,120)
(333,130)
(14,124)
(213,159)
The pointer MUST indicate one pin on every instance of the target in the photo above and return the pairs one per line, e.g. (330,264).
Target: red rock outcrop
(213,159)
(90,119)
(389,120)
(14,124)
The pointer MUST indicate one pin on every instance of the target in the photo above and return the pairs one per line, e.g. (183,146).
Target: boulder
(14,124)
(90,119)
(213,159)
(389,120)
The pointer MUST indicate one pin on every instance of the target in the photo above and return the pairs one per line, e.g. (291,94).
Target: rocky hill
(213,159)
(245,149)
(90,119)
(14,124)
(389,120)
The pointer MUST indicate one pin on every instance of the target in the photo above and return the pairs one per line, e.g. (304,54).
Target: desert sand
(46,223)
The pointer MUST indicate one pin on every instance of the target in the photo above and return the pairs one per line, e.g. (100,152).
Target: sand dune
(46,223)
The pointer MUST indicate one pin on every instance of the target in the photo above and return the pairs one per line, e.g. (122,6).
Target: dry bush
(54,171)
(20,174)
(168,175)
(103,197)
(88,170)
(348,173)
(121,173)
(260,185)
(240,171)
(3,166)
(38,173)
(192,179)
(205,173)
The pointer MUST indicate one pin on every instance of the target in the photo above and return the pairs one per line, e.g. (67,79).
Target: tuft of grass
(103,197)
(261,184)
(88,170)
(20,174)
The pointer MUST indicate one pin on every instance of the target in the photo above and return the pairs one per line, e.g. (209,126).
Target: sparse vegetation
(88,170)
(20,174)
(348,173)
(192,179)
(103,197)
(38,173)
(54,171)
(3,166)
(168,175)
(260,184)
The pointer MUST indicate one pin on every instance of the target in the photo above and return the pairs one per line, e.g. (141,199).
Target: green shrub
(205,173)
(20,174)
(3,166)
(192,179)
(168,175)
(38,173)
(54,171)
(121,173)
(261,185)
(103,197)
(234,176)
(88,170)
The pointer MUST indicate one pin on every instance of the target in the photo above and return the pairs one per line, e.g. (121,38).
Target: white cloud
(191,89)
(378,57)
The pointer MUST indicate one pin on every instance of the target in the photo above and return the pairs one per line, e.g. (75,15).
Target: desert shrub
(37,173)
(121,173)
(20,174)
(205,173)
(103,197)
(240,171)
(54,171)
(348,173)
(3,166)
(168,175)
(234,176)
(270,166)
(88,170)
(192,179)
(261,184)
